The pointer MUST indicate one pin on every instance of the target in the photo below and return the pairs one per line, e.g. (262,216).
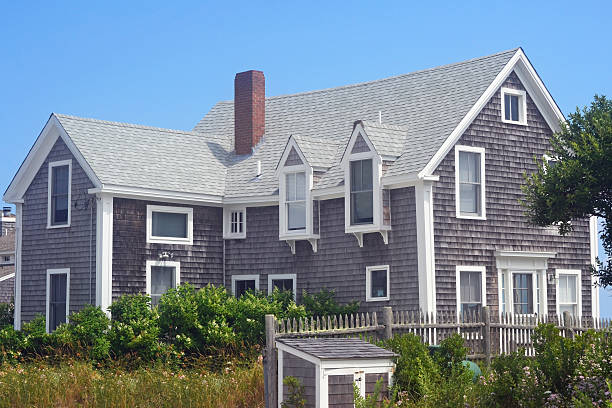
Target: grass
(79,384)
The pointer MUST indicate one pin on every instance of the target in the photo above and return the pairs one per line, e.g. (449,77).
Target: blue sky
(166,63)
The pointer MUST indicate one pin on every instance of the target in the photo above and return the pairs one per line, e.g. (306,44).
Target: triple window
(59,191)
(169,225)
(470,182)
(362,194)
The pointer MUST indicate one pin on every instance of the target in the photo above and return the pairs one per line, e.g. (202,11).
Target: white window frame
(50,272)
(236,278)
(227,223)
(540,300)
(169,240)
(522,95)
(483,200)
(283,217)
(49,186)
(578,274)
(283,276)
(169,264)
(369,270)
(483,283)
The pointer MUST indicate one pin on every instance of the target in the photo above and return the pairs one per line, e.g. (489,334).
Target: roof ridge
(390,126)
(133,125)
(439,67)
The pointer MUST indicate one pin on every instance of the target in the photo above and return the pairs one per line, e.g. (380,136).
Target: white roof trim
(291,143)
(6,277)
(154,194)
(525,254)
(37,156)
(357,130)
(535,88)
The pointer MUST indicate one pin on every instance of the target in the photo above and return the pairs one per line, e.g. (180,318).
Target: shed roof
(337,349)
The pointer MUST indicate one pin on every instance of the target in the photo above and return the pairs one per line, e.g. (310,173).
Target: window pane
(469,167)
(59,195)
(57,300)
(243,286)
(362,207)
(366,174)
(523,293)
(567,288)
(506,106)
(283,284)
(514,100)
(470,289)
(300,186)
(169,225)
(567,308)
(162,279)
(469,198)
(296,215)
(356,184)
(290,187)
(378,281)
(60,180)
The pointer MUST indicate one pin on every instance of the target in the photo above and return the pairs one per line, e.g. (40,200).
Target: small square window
(282,282)
(7,259)
(169,225)
(514,106)
(242,284)
(377,283)
(234,223)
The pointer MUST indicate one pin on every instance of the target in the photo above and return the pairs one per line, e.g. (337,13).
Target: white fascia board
(304,356)
(7,277)
(535,88)
(355,363)
(525,254)
(37,156)
(154,194)
(328,193)
(357,130)
(291,143)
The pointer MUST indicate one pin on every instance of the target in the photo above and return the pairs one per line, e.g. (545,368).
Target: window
(522,293)
(470,182)
(282,282)
(161,276)
(514,106)
(244,283)
(295,200)
(234,224)
(6,258)
(58,295)
(377,283)
(169,225)
(569,295)
(471,290)
(59,190)
(362,194)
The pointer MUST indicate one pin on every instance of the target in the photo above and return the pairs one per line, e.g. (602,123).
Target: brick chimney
(249,110)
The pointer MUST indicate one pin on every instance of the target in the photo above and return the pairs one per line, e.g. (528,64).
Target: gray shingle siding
(72,247)
(200,263)
(510,151)
(7,290)
(305,372)
(339,263)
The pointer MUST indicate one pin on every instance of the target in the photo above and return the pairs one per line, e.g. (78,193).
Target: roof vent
(258,168)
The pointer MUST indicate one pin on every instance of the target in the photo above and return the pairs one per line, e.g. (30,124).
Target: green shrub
(415,370)
(35,337)
(324,303)
(450,355)
(11,343)
(87,333)
(295,395)
(134,327)
(7,310)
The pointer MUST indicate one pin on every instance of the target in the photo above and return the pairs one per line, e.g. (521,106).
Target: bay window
(470,182)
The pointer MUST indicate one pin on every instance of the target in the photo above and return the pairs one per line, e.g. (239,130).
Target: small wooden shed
(328,368)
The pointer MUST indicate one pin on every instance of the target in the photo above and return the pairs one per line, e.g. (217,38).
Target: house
(7,255)
(398,192)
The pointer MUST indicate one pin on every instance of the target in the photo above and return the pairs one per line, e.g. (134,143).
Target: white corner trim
(37,156)
(522,95)
(49,189)
(227,222)
(169,240)
(483,196)
(236,278)
(163,263)
(50,272)
(578,274)
(369,269)
(104,251)
(425,246)
(535,88)
(18,245)
(273,277)
(483,282)
(594,244)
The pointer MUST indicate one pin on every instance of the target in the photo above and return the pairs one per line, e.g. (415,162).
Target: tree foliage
(577,180)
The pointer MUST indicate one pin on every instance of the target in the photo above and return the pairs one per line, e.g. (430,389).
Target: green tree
(577,181)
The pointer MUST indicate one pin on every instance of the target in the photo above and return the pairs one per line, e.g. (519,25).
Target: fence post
(486,315)
(388,322)
(270,381)
(567,324)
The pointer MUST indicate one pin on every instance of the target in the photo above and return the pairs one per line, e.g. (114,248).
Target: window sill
(366,228)
(512,122)
(58,226)
(377,299)
(472,217)
(235,236)
(169,241)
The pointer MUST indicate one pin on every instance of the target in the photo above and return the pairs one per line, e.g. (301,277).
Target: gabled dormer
(296,209)
(371,147)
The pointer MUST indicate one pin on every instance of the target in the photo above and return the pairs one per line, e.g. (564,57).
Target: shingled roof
(419,111)
(333,348)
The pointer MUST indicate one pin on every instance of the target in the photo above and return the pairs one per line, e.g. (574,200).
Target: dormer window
(514,106)
(362,194)
(295,201)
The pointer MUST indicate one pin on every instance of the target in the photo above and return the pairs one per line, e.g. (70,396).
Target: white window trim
(483,200)
(542,300)
(284,232)
(171,264)
(578,274)
(227,222)
(48,296)
(283,276)
(169,240)
(49,185)
(483,283)
(236,278)
(369,269)
(522,106)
